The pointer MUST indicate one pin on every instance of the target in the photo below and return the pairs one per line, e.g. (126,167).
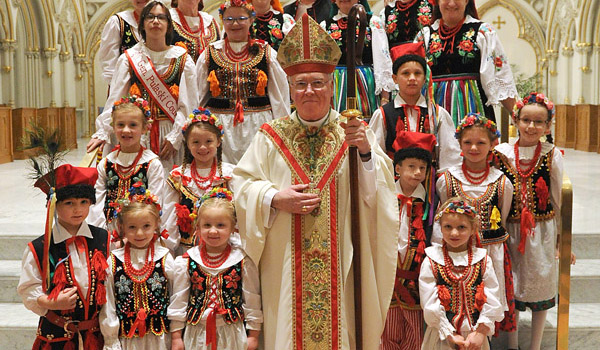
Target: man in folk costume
(293,208)
(64,270)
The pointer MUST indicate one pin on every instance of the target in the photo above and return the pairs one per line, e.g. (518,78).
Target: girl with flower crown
(246,85)
(457,284)
(536,170)
(489,191)
(271,24)
(217,294)
(202,169)
(139,279)
(129,162)
(194,28)
(162,74)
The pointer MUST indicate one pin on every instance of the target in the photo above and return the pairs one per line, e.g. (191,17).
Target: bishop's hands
(356,135)
(294,200)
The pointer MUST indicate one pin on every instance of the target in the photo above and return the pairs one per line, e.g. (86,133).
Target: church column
(68,87)
(7,48)
(552,73)
(32,78)
(565,93)
(82,77)
(51,54)
(582,73)
(595,74)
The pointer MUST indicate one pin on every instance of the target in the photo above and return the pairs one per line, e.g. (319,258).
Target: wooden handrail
(564,265)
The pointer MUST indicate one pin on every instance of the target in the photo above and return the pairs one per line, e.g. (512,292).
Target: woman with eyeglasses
(374,75)
(194,28)
(162,74)
(240,80)
(271,24)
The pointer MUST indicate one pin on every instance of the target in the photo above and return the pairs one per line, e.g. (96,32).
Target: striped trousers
(403,330)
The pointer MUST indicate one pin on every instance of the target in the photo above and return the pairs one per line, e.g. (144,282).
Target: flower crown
(203,115)
(533,98)
(472,119)
(136,193)
(139,102)
(215,192)
(457,207)
(235,3)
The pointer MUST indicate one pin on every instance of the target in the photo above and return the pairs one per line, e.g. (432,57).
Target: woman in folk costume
(201,171)
(374,76)
(271,24)
(470,69)
(489,191)
(403,19)
(194,28)
(246,85)
(293,208)
(64,270)
(119,34)
(163,75)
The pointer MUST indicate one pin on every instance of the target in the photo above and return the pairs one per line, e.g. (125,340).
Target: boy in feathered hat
(411,110)
(64,270)
(412,163)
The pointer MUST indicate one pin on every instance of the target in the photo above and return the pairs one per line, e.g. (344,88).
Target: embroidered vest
(392,116)
(229,292)
(171,78)
(319,11)
(128,35)
(238,81)
(537,187)
(462,58)
(152,295)
(338,31)
(86,307)
(461,304)
(188,199)
(406,286)
(484,205)
(402,25)
(195,43)
(117,184)
(268,28)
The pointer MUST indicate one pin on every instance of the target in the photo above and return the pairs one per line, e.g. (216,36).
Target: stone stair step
(17,326)
(585,281)
(12,244)
(10,270)
(586,245)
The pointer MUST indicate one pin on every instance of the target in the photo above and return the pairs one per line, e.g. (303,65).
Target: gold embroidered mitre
(308,48)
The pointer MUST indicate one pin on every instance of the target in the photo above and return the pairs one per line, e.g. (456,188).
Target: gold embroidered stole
(316,270)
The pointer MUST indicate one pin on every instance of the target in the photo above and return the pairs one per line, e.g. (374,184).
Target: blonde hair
(219,203)
(127,107)
(135,208)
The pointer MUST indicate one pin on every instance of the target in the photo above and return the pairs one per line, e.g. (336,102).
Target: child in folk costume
(271,24)
(194,29)
(405,18)
(404,323)
(246,85)
(129,163)
(64,270)
(202,169)
(140,278)
(373,77)
(218,290)
(457,284)
(536,170)
(490,192)
(162,74)
(413,111)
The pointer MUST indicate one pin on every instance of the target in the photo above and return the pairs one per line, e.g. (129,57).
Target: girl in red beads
(202,169)
(536,170)
(217,286)
(490,192)
(457,284)
(140,278)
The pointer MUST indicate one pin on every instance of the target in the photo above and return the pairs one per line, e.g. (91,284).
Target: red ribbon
(155,137)
(79,243)
(238,116)
(211,327)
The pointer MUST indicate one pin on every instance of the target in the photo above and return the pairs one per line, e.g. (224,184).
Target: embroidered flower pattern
(424,13)
(497,60)
(232,279)
(435,48)
(156,281)
(123,285)
(467,45)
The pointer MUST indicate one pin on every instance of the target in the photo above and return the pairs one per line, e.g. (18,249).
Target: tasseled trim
(99,265)
(495,218)
(239,113)
(92,342)
(135,90)
(174,89)
(100,294)
(69,345)
(183,217)
(527,225)
(215,90)
(480,297)
(417,224)
(59,280)
(261,83)
(541,189)
(139,324)
(47,346)
(444,296)
(115,236)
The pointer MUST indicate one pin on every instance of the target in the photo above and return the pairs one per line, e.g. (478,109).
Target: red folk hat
(410,139)
(416,49)
(65,175)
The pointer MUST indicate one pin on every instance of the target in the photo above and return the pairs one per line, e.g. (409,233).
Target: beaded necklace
(403,6)
(139,275)
(265,17)
(457,274)
(236,56)
(198,180)
(450,33)
(475,179)
(125,172)
(531,164)
(214,261)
